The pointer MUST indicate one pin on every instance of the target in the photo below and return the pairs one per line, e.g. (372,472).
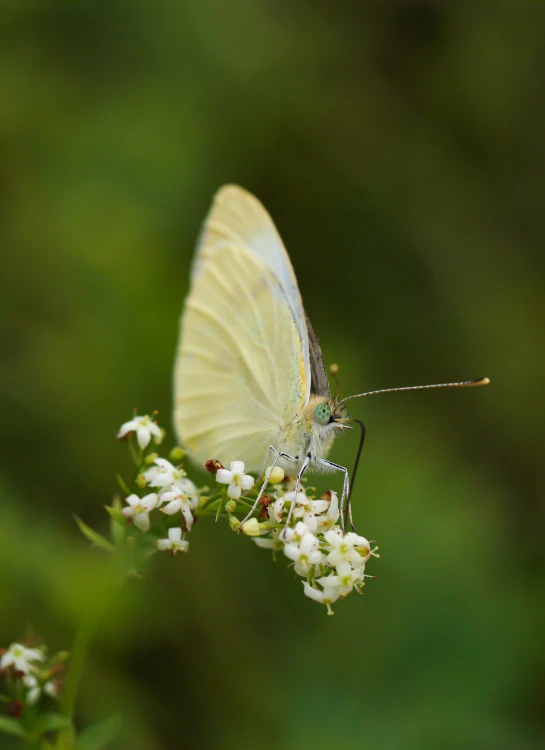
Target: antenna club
(334,368)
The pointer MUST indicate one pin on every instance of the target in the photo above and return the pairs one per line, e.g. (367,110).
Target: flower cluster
(331,562)
(174,495)
(29,675)
(164,504)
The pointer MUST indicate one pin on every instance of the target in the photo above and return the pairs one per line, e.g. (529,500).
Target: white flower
(52,688)
(163,474)
(307,509)
(349,547)
(305,553)
(139,508)
(34,689)
(329,520)
(183,496)
(328,595)
(345,580)
(273,542)
(174,543)
(20,657)
(144,428)
(295,535)
(236,479)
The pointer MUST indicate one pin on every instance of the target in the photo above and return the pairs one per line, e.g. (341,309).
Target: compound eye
(322,414)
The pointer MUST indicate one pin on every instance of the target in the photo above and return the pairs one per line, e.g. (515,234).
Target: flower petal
(141,521)
(224,476)
(237,467)
(173,507)
(188,515)
(143,436)
(175,534)
(247,482)
(234,491)
(313,593)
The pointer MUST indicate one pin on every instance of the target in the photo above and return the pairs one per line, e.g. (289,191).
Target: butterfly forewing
(238,218)
(240,370)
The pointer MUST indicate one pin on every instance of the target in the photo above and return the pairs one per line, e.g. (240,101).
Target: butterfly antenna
(334,370)
(461,384)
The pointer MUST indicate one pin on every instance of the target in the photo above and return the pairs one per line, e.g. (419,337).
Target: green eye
(322,414)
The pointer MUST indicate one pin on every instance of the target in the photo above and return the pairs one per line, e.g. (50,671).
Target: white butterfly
(249,377)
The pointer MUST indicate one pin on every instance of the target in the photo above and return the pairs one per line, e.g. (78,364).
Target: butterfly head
(327,415)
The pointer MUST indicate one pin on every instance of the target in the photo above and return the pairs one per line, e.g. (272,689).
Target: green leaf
(11,726)
(118,522)
(94,536)
(121,482)
(99,735)
(116,514)
(52,723)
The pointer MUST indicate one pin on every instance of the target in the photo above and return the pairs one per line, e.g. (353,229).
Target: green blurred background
(400,148)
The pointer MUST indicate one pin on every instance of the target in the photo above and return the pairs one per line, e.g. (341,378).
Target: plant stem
(84,633)
(77,662)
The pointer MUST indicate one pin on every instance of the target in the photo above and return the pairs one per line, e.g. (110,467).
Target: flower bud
(251,527)
(177,453)
(141,481)
(151,458)
(230,506)
(277,474)
(234,522)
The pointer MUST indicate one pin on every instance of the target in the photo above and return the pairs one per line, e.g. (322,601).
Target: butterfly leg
(346,489)
(302,470)
(279,455)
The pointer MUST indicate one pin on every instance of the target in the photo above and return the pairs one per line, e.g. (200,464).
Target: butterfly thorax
(306,435)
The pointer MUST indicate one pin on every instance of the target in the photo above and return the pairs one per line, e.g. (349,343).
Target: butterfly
(249,376)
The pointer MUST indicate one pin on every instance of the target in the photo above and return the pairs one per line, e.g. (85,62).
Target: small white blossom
(347,577)
(327,595)
(307,509)
(183,496)
(20,658)
(305,553)
(52,688)
(175,543)
(329,520)
(138,509)
(349,547)
(236,479)
(163,474)
(144,427)
(273,542)
(29,681)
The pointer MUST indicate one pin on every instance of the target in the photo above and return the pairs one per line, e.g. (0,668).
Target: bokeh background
(400,147)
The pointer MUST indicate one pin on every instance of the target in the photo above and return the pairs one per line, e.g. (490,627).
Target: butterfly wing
(319,382)
(241,368)
(239,218)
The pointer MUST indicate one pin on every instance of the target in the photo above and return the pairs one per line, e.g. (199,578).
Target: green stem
(78,657)
(77,662)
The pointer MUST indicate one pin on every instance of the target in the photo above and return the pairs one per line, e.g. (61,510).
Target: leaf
(94,536)
(118,523)
(11,726)
(121,482)
(52,723)
(116,514)
(98,736)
